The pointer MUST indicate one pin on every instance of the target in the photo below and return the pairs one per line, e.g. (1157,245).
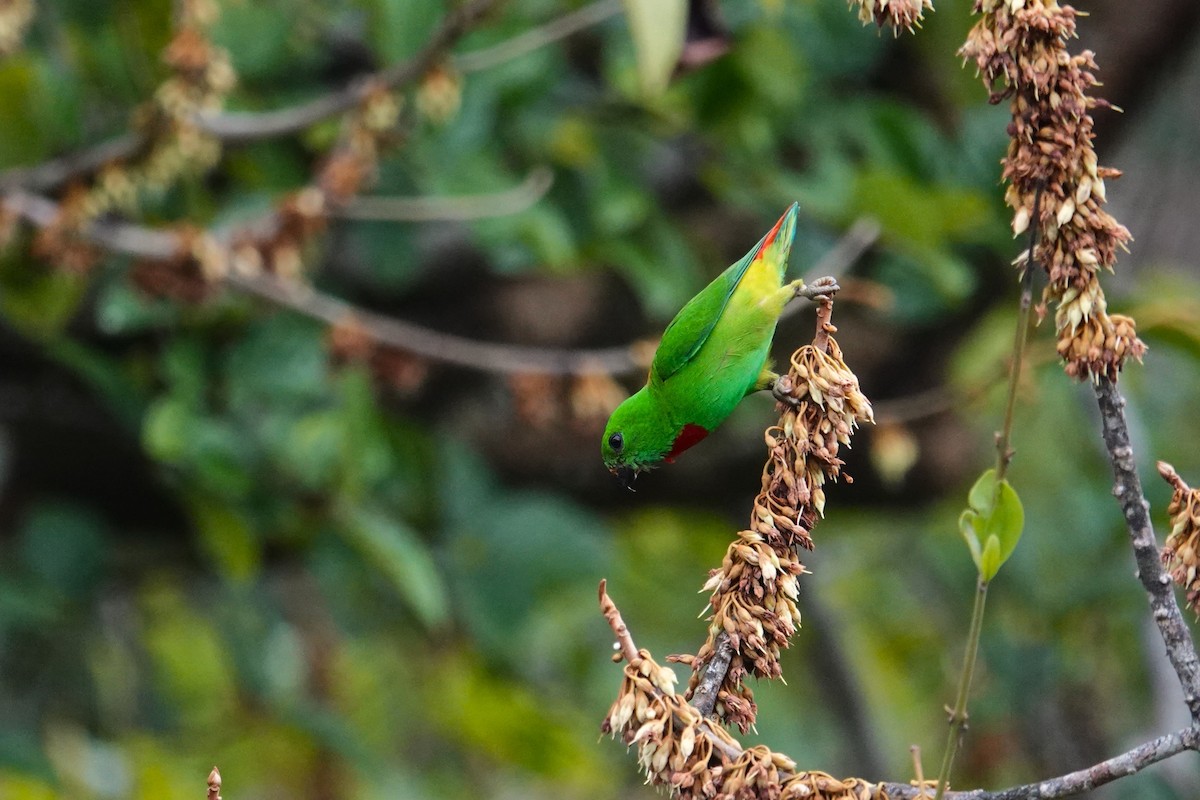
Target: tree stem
(1004,451)
(958,716)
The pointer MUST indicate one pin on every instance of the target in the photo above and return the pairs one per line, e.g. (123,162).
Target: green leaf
(395,550)
(1005,524)
(989,563)
(966,525)
(995,516)
(657,27)
(983,493)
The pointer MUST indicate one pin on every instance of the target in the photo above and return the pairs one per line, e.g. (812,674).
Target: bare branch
(704,699)
(161,245)
(1181,650)
(626,647)
(57,171)
(466,207)
(158,245)
(233,128)
(444,347)
(538,37)
(1074,783)
(252,126)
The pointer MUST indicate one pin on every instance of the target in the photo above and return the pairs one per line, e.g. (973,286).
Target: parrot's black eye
(616,442)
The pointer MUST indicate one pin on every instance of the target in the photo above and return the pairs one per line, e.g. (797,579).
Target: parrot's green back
(712,354)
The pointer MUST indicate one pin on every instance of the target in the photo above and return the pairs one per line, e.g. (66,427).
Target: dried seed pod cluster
(1020,49)
(201,78)
(679,749)
(278,243)
(897,14)
(440,94)
(1181,554)
(754,592)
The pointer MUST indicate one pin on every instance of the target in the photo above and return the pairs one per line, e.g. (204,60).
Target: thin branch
(444,347)
(1004,451)
(536,38)
(54,173)
(704,699)
(958,715)
(1181,650)
(1074,783)
(138,241)
(252,126)
(466,207)
(159,245)
(625,645)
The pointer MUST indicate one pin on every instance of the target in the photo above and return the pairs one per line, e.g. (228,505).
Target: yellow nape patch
(761,278)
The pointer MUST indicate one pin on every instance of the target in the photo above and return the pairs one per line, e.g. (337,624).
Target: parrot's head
(639,435)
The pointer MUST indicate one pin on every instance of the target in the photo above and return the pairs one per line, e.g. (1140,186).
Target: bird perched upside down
(712,355)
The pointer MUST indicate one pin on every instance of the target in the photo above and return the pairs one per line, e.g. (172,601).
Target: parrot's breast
(690,435)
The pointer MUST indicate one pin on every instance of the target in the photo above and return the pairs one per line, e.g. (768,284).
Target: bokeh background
(224,541)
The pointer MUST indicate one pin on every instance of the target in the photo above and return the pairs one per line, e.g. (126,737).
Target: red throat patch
(770,237)
(690,435)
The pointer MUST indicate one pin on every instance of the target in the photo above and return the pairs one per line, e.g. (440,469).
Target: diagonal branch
(152,244)
(1181,650)
(233,128)
(57,171)
(1073,783)
(535,38)
(443,347)
(466,207)
(165,245)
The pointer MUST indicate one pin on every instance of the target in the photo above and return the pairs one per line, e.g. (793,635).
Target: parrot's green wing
(691,327)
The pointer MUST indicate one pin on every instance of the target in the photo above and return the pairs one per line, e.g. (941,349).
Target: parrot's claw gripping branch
(820,288)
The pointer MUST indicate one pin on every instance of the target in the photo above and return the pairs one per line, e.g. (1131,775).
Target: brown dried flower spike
(898,14)
(1181,554)
(1020,49)
(754,592)
(679,749)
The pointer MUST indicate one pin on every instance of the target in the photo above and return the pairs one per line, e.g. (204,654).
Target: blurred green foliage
(350,594)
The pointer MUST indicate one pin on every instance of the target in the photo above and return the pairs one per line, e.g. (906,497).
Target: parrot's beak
(626,475)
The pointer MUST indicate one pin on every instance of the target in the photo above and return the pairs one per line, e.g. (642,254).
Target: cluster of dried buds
(1181,554)
(897,14)
(679,749)
(351,342)
(278,242)
(440,94)
(15,16)
(1020,49)
(201,76)
(754,591)
(583,401)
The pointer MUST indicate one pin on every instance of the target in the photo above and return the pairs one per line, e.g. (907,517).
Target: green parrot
(712,355)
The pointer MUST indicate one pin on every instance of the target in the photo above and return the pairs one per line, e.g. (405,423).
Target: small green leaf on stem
(993,524)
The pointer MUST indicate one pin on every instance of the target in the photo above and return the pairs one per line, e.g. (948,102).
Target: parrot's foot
(781,390)
(821,287)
